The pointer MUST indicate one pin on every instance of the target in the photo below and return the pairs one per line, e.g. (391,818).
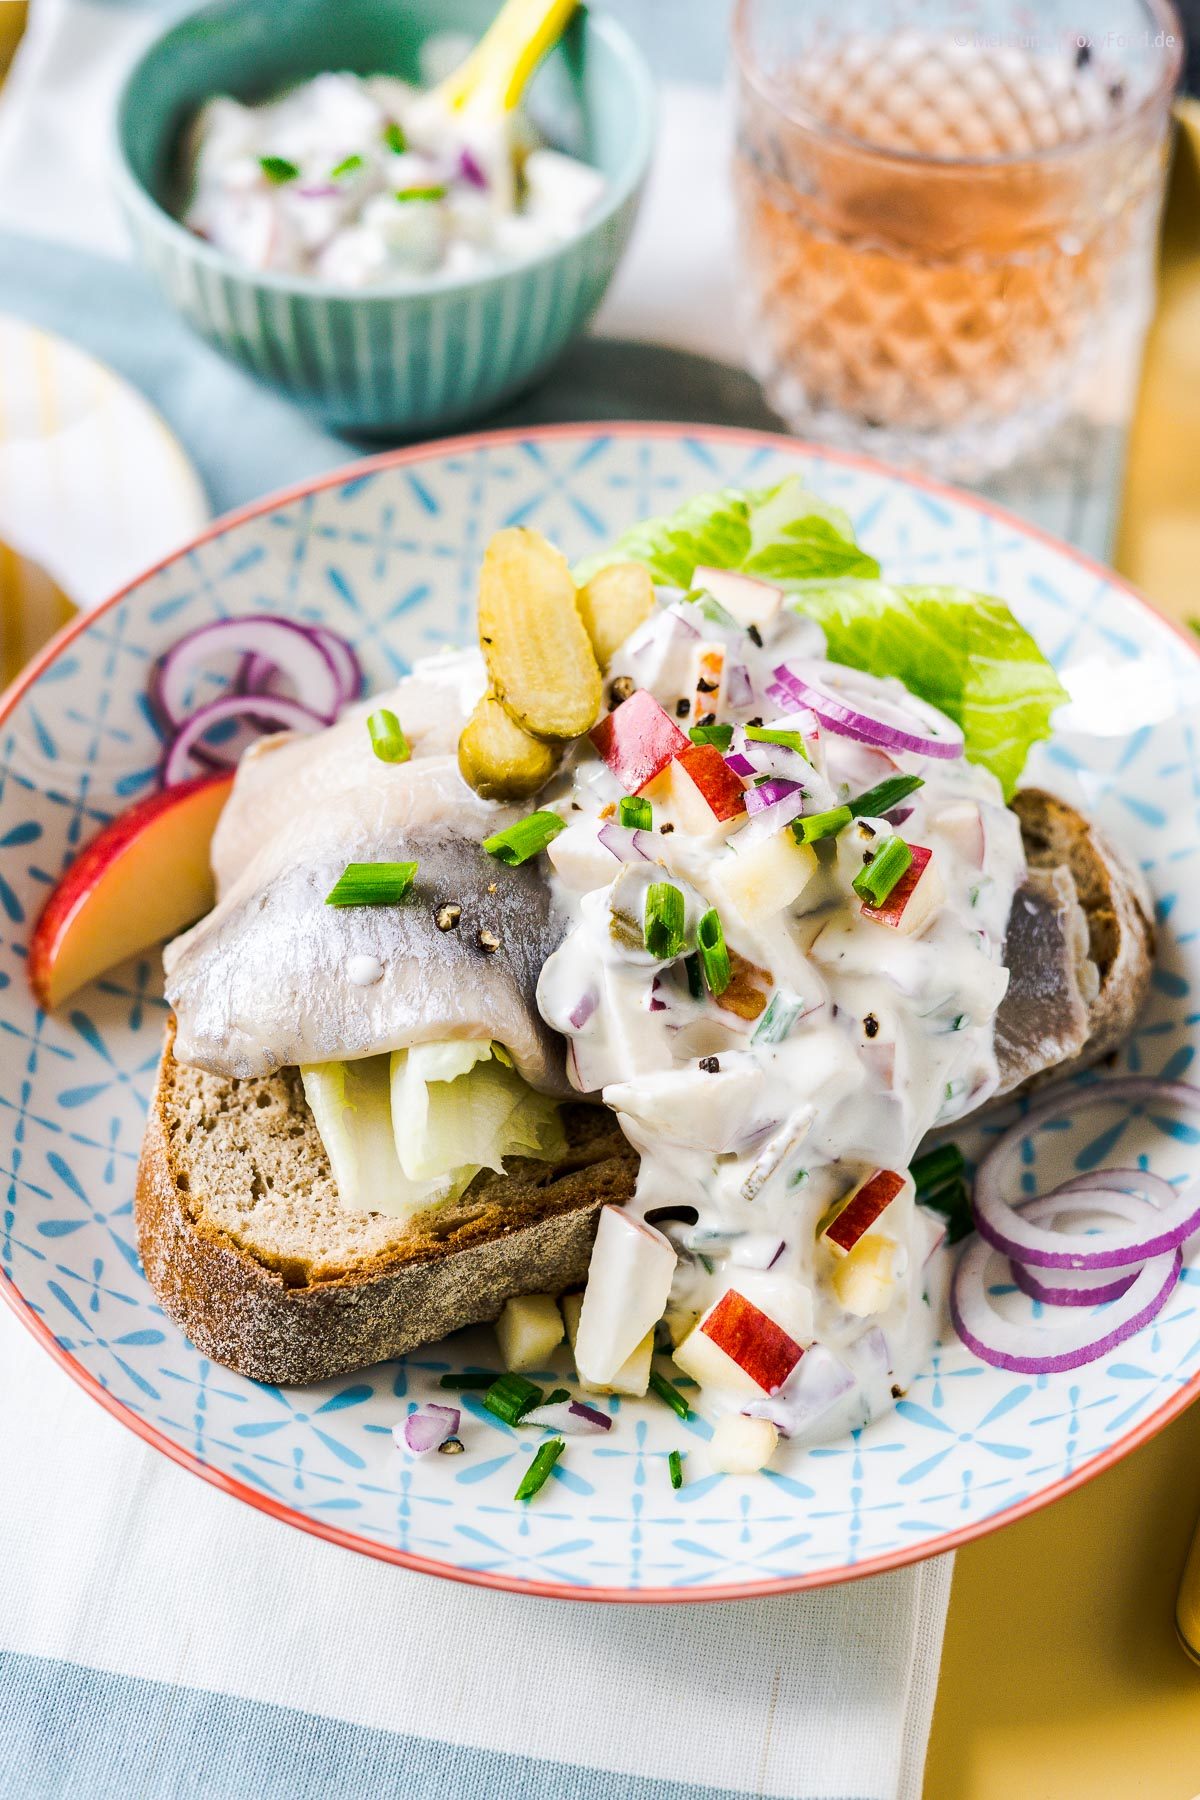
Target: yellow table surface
(1062,1678)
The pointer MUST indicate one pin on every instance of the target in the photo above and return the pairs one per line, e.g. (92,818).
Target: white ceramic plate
(388,553)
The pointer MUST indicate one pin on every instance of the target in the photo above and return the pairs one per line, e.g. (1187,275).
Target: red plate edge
(265,1503)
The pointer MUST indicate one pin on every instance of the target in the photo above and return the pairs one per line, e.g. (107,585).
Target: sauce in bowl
(356,180)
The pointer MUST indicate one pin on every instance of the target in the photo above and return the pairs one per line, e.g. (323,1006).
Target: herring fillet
(1043,1019)
(263,981)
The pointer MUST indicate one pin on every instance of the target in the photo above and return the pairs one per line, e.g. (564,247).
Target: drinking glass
(947,212)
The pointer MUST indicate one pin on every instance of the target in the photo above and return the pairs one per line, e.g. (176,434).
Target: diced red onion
(837,715)
(741,765)
(270,709)
(771,806)
(296,650)
(1036,1347)
(327,190)
(817,1383)
(582,1010)
(572,1417)
(1175,1217)
(626,845)
(427,1428)
(472,170)
(739,689)
(770,793)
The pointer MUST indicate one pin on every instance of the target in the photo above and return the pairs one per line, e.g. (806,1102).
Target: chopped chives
(636,812)
(720,735)
(695,978)
(669,1394)
(713,953)
(768,734)
(432,191)
(663,921)
(556,1396)
(946,1163)
(876,879)
(464,1384)
(879,800)
(349,165)
(372,884)
(821,825)
(781,1014)
(387,737)
(538,1472)
(510,1397)
(526,839)
(675,1469)
(278,169)
(394,138)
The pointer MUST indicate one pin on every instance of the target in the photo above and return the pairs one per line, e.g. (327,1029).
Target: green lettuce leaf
(783,534)
(961,651)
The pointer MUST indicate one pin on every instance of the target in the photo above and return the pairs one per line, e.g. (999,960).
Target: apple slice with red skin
(637,740)
(859,1212)
(762,1349)
(715,784)
(915,897)
(142,879)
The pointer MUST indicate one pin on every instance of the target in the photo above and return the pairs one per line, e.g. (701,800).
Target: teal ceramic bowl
(406,358)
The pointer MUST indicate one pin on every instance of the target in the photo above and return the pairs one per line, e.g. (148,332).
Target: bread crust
(1119,912)
(528,1231)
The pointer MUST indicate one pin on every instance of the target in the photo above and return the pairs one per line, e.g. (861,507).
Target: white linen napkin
(117,1560)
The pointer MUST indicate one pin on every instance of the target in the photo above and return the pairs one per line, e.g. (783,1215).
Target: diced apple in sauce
(580,860)
(744,597)
(633,1377)
(702,792)
(528,1330)
(768,877)
(852,1217)
(864,1281)
(742,1446)
(628,1285)
(637,740)
(692,1106)
(737,1345)
(914,899)
(962,825)
(708,672)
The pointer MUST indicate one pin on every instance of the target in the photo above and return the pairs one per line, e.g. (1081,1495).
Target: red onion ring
(850,721)
(1007,1229)
(1032,1348)
(1080,1287)
(272,709)
(299,651)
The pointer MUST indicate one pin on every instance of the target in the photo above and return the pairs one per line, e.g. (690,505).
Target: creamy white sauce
(357,181)
(893,1033)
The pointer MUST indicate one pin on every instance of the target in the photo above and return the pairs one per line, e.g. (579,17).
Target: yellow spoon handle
(493,77)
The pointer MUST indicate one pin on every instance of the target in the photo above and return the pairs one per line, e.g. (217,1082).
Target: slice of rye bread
(247,1248)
